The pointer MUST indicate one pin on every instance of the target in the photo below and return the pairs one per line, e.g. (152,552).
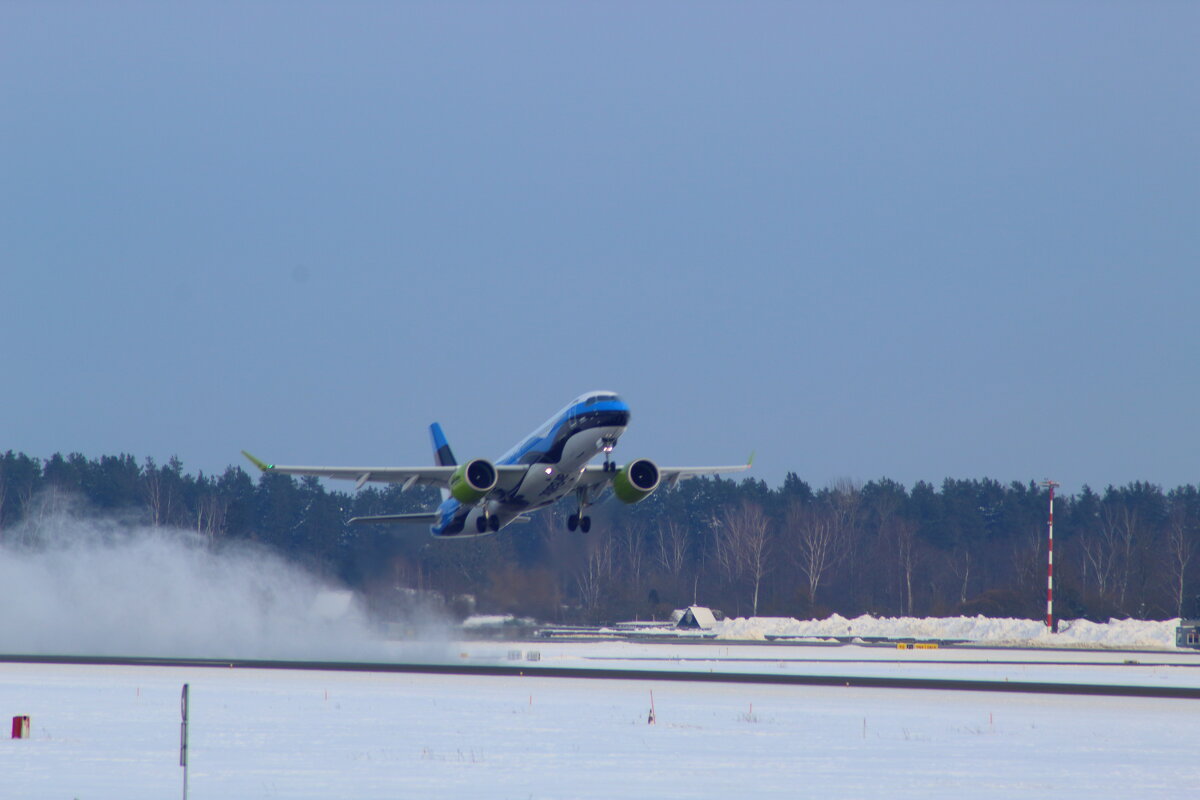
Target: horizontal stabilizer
(427,518)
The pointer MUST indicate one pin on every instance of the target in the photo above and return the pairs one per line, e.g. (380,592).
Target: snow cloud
(78,584)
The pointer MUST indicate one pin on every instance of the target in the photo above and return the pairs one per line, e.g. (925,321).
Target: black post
(183,737)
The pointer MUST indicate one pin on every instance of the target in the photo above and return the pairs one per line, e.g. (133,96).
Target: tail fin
(442,456)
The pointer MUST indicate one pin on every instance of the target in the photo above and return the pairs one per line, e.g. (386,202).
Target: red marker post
(1050,624)
(20,727)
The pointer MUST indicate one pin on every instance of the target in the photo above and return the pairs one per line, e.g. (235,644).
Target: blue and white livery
(480,497)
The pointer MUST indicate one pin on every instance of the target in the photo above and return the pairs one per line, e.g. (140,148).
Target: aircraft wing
(594,475)
(506,476)
(423,518)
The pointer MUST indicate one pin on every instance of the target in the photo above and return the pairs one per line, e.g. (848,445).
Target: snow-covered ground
(113,732)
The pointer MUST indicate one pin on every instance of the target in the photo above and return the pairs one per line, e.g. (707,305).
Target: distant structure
(1050,624)
(697,617)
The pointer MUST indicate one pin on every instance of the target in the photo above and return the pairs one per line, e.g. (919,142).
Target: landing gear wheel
(481,524)
(585,524)
(572,522)
(608,443)
(494,523)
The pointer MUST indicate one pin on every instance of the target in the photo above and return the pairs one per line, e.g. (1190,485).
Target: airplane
(481,497)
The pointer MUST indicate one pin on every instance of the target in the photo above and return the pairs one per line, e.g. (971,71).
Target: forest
(968,546)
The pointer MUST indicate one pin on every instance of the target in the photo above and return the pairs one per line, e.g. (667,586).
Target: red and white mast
(1050,561)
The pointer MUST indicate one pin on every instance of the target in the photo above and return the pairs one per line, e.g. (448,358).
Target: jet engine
(636,480)
(472,481)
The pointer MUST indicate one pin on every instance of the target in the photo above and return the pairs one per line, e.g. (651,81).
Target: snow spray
(84,584)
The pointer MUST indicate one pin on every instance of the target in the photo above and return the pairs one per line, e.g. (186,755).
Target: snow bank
(1032,633)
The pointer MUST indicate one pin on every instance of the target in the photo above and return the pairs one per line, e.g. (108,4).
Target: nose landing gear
(608,443)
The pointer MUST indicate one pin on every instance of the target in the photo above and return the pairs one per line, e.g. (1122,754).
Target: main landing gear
(580,520)
(485,522)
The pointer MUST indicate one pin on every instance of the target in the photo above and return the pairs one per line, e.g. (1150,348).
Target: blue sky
(919,240)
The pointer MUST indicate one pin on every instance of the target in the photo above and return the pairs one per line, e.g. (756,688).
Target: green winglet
(749,461)
(260,464)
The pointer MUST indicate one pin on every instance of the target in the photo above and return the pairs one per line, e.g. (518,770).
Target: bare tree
(1029,561)
(1181,548)
(725,554)
(1099,556)
(596,573)
(43,514)
(960,565)
(904,537)
(633,552)
(672,547)
(159,489)
(210,516)
(747,544)
(818,542)
(1120,526)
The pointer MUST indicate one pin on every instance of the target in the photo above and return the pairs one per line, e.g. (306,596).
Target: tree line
(966,547)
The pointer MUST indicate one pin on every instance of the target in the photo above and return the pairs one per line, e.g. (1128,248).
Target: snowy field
(113,732)
(76,585)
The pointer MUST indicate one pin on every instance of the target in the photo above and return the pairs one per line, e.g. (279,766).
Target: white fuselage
(556,455)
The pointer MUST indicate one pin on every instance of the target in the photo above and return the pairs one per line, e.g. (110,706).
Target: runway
(781,671)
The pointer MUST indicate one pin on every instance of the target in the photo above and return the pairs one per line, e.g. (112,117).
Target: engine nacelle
(636,480)
(472,481)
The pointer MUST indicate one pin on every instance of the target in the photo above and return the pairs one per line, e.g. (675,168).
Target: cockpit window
(594,399)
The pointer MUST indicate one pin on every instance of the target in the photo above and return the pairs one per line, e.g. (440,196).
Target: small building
(697,617)
(1188,633)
